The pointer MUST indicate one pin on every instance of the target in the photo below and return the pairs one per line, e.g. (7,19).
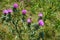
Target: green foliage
(16,29)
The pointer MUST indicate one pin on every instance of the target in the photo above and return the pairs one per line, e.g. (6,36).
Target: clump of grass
(16,26)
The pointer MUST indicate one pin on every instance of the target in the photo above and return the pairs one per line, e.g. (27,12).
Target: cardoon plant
(5,12)
(24,14)
(29,22)
(15,6)
(9,14)
(40,16)
(41,34)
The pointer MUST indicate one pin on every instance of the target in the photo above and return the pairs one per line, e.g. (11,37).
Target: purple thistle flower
(10,10)
(29,20)
(41,23)
(15,5)
(40,14)
(5,11)
(24,12)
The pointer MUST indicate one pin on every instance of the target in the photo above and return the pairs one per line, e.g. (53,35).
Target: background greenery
(51,17)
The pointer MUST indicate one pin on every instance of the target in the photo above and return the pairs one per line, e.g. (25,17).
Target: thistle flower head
(10,10)
(5,11)
(15,5)
(40,14)
(29,20)
(41,23)
(24,12)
